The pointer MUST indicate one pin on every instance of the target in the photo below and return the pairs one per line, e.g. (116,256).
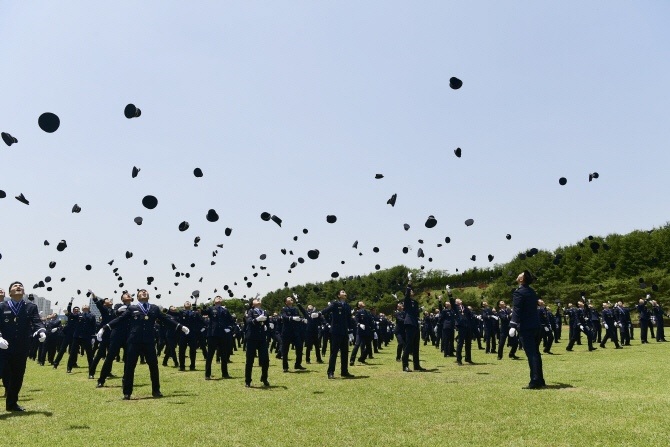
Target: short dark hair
(528,277)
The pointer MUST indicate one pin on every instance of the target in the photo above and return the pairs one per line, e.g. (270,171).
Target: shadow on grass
(558,386)
(355,377)
(78,427)
(24,413)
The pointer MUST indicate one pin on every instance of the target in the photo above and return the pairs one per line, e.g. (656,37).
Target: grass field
(601,398)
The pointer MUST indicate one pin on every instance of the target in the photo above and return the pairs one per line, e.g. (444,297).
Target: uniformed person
(338,315)
(191,319)
(411,307)
(141,340)
(292,332)
(106,314)
(257,336)
(363,335)
(399,331)
(464,318)
(219,336)
(82,337)
(117,338)
(19,323)
(610,326)
(448,323)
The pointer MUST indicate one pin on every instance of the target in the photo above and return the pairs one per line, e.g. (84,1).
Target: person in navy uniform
(338,314)
(399,330)
(68,332)
(622,317)
(363,338)
(504,314)
(117,338)
(581,322)
(256,336)
(658,314)
(412,341)
(610,327)
(464,324)
(189,318)
(82,336)
(314,323)
(644,318)
(219,336)
(141,340)
(526,321)
(106,310)
(489,327)
(447,320)
(52,325)
(292,332)
(19,323)
(546,321)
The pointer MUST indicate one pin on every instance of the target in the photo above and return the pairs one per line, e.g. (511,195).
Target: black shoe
(69,371)
(208,377)
(247,385)
(459,363)
(308,362)
(15,407)
(470,362)
(182,368)
(602,345)
(331,376)
(347,375)
(351,363)
(299,367)
(91,376)
(319,361)
(126,397)
(398,360)
(618,347)
(592,349)
(499,358)
(285,370)
(192,368)
(266,383)
(568,349)
(99,385)
(533,387)
(406,369)
(157,394)
(420,369)
(515,357)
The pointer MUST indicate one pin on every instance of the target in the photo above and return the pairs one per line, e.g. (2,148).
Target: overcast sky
(292,108)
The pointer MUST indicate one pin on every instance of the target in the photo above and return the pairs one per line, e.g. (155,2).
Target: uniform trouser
(170,351)
(448,341)
(12,374)
(596,329)
(490,338)
(411,346)
(74,353)
(192,343)
(576,336)
(557,331)
(325,338)
(547,338)
(103,347)
(400,338)
(224,346)
(286,345)
(660,330)
(643,331)
(260,348)
(42,352)
(52,344)
(610,333)
(312,340)
(202,344)
(364,341)
(464,339)
(65,344)
(134,350)
(116,341)
(531,346)
(625,335)
(504,335)
(339,344)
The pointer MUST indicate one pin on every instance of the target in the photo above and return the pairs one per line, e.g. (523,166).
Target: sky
(292,108)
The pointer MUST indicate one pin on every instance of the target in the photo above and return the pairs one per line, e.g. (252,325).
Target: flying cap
(331,218)
(8,139)
(455,83)
(21,198)
(76,208)
(458,152)
(150,202)
(131,111)
(48,122)
(392,200)
(431,221)
(183,226)
(197,172)
(212,216)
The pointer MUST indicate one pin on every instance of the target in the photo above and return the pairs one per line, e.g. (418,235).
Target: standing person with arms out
(463,318)
(19,323)
(645,318)
(411,307)
(189,318)
(526,321)
(141,340)
(504,315)
(219,336)
(448,320)
(106,314)
(338,314)
(364,324)
(256,336)
(609,322)
(546,320)
(312,337)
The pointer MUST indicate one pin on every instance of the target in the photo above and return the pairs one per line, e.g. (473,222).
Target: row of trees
(611,268)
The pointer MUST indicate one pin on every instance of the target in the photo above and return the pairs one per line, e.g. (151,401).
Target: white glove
(315,315)
(226,330)
(54,330)
(375,336)
(304,320)
(409,275)
(122,309)
(606,326)
(362,326)
(4,344)
(448,288)
(546,329)
(272,325)
(581,327)
(99,334)
(202,330)
(261,318)
(351,338)
(495,317)
(512,332)
(43,336)
(648,296)
(185,330)
(296,318)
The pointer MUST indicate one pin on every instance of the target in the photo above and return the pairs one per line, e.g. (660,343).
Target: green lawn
(606,397)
